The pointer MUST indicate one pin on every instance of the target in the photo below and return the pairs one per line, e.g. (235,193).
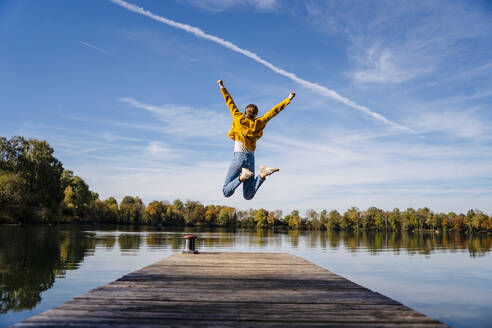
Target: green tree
(132,210)
(478,220)
(112,210)
(210,215)
(194,212)
(380,220)
(274,218)
(374,218)
(13,198)
(334,219)
(287,220)
(227,216)
(422,216)
(408,219)
(313,218)
(368,218)
(468,220)
(445,222)
(79,202)
(175,212)
(78,198)
(248,218)
(271,219)
(394,219)
(294,220)
(323,219)
(350,219)
(432,220)
(38,172)
(261,218)
(156,212)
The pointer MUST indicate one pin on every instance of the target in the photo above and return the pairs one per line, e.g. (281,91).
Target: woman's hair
(251,109)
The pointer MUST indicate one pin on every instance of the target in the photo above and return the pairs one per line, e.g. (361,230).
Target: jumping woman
(246,130)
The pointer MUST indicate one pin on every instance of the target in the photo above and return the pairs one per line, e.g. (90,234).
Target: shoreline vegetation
(35,188)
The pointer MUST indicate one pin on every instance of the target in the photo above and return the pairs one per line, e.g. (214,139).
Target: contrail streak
(94,47)
(313,86)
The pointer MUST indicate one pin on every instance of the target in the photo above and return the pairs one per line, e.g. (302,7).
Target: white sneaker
(245,174)
(267,170)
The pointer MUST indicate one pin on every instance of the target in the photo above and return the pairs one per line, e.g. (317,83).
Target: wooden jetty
(231,290)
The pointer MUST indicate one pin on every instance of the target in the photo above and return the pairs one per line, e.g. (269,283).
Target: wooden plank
(288,306)
(76,316)
(231,290)
(214,323)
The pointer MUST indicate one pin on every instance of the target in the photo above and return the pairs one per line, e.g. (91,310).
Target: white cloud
(382,66)
(185,121)
(394,42)
(157,148)
(162,180)
(222,5)
(458,124)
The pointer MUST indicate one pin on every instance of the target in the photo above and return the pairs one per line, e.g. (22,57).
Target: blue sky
(393,105)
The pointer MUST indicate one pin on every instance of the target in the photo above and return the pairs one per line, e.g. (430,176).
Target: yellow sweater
(245,130)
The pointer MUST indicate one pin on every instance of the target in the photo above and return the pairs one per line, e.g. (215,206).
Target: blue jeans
(251,185)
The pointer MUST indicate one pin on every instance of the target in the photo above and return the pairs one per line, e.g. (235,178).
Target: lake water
(445,276)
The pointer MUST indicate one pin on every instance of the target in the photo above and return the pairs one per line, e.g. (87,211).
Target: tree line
(35,188)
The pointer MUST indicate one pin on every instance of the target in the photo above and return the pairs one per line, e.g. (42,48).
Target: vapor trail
(94,47)
(313,86)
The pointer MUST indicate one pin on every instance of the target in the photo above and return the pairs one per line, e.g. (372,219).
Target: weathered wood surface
(231,290)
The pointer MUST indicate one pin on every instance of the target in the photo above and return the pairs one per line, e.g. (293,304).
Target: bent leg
(232,177)
(251,185)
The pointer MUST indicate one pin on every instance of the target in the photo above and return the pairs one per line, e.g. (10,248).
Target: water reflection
(32,257)
(129,242)
(106,242)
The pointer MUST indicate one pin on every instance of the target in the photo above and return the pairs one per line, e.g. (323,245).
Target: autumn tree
(271,219)
(477,221)
(468,220)
(350,219)
(194,212)
(112,210)
(210,215)
(248,219)
(294,220)
(156,213)
(408,219)
(458,223)
(334,219)
(132,210)
(78,198)
(323,219)
(313,219)
(227,216)
(394,219)
(422,216)
(445,224)
(261,218)
(368,218)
